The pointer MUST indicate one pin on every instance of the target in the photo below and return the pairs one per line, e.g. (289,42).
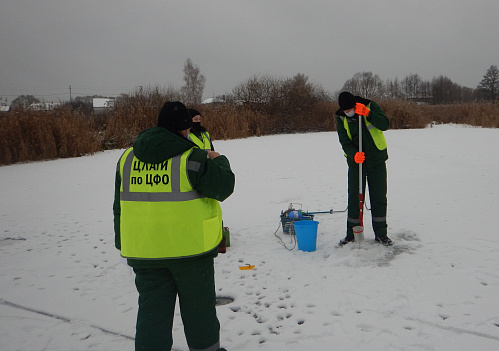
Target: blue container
(306,235)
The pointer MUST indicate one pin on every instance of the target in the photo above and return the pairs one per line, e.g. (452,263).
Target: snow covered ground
(62,286)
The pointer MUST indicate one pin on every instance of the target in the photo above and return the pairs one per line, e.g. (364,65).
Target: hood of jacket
(155,145)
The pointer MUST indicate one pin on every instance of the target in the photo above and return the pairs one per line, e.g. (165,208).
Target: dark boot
(346,240)
(384,240)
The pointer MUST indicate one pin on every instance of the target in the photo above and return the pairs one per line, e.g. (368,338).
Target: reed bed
(42,135)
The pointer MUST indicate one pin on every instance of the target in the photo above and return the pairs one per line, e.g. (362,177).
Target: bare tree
(445,91)
(280,96)
(426,91)
(393,89)
(258,90)
(489,85)
(411,86)
(365,84)
(192,91)
(300,94)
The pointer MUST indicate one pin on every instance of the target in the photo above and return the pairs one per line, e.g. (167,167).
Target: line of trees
(275,92)
(440,90)
(269,90)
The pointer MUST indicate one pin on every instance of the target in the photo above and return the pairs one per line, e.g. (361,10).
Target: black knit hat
(194,112)
(174,116)
(346,100)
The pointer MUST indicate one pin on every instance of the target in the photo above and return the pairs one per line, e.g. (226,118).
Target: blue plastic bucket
(306,235)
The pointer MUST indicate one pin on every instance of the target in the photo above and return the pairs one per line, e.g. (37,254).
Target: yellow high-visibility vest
(162,216)
(376,134)
(203,143)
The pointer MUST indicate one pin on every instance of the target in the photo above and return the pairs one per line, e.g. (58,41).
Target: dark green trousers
(194,283)
(376,177)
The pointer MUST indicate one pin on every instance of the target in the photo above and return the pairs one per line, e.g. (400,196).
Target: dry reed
(41,135)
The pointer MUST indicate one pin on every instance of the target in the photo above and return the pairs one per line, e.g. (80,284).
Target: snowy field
(62,286)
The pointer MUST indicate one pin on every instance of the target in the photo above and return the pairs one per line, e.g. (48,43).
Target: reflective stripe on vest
(376,134)
(162,216)
(203,143)
(173,180)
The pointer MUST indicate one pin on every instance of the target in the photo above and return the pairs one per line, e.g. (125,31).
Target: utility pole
(70,99)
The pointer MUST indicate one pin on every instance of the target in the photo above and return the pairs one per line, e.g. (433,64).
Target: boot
(384,240)
(346,240)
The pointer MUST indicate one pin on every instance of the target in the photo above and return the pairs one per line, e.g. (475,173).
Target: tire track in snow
(61,318)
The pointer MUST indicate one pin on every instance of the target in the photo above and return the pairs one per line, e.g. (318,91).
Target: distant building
(44,106)
(102,104)
(4,108)
(214,100)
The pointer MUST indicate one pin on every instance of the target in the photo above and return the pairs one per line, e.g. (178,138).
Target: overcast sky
(110,47)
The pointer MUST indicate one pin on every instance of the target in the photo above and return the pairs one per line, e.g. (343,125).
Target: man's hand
(359,157)
(213,154)
(361,109)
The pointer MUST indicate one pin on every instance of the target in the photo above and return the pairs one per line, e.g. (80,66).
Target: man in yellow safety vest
(373,156)
(168,225)
(198,134)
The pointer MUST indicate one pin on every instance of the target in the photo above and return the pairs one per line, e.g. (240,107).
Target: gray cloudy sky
(110,47)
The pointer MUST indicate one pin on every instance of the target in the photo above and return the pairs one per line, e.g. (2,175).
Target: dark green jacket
(350,146)
(214,179)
